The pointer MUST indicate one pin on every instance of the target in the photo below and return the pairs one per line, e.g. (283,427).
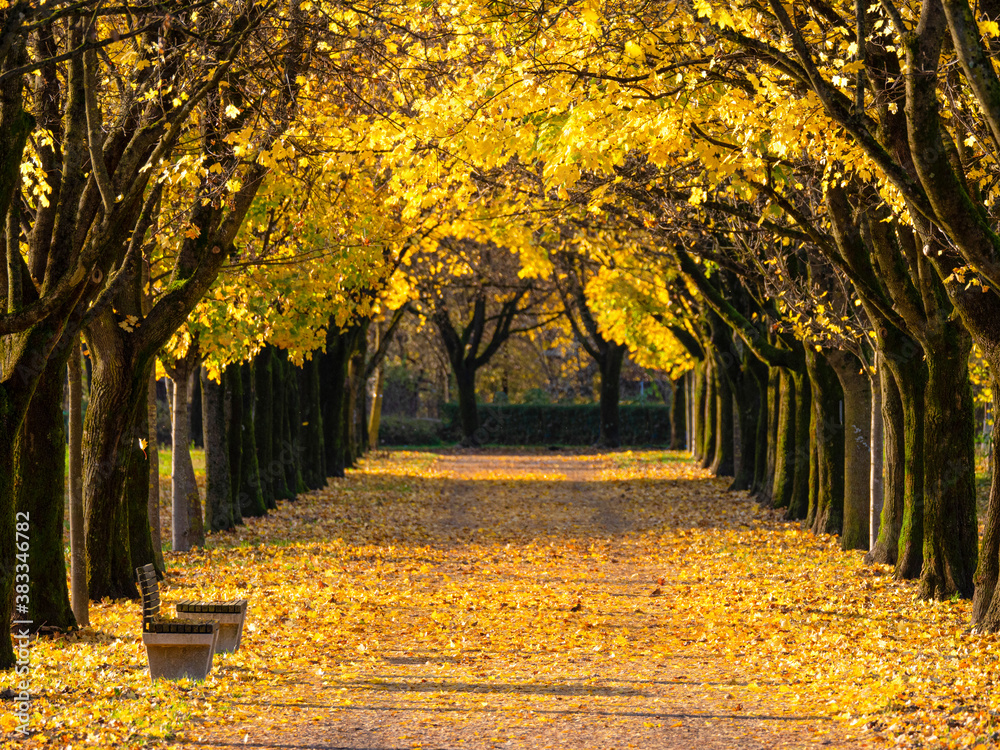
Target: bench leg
(175,662)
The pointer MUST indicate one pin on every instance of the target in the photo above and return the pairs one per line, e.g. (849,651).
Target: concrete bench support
(174,656)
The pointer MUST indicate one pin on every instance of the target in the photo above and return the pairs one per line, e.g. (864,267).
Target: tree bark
(232,381)
(375,415)
(251,500)
(153,490)
(77,537)
(748,414)
(950,530)
(41,462)
(698,410)
(784,449)
(857,449)
(264,424)
(827,516)
(875,500)
(180,456)
(117,393)
(774,404)
(798,505)
(710,417)
(678,414)
(468,411)
(986,601)
(611,370)
(313,465)
(218,487)
(136,490)
(887,543)
(333,391)
(724,461)
(280,451)
(293,430)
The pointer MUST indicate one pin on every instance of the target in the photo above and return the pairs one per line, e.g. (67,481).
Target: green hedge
(396,430)
(557,424)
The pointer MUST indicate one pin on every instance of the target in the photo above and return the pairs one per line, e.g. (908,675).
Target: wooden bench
(175,648)
(229,616)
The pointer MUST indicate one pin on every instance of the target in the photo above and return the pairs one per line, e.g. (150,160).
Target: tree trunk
(749,415)
(950,531)
(136,488)
(333,391)
(153,490)
(611,370)
(911,378)
(784,450)
(857,450)
(264,424)
(375,416)
(689,398)
(798,505)
(280,449)
(986,601)
(875,499)
(117,392)
(468,411)
(774,398)
(194,410)
(232,381)
(698,409)
(887,543)
(181,469)
(293,430)
(218,487)
(710,415)
(251,498)
(77,538)
(678,413)
(827,393)
(313,469)
(41,455)
(359,393)
(724,462)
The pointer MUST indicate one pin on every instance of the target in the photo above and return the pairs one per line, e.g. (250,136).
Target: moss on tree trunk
(950,531)
(698,409)
(724,462)
(710,416)
(40,481)
(829,440)
(857,450)
(886,548)
(784,447)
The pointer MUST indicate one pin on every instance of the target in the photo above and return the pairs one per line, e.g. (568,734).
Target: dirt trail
(413,696)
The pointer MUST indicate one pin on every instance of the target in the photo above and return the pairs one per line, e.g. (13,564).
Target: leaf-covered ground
(531,600)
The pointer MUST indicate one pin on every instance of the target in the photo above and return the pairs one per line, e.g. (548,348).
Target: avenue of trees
(792,208)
